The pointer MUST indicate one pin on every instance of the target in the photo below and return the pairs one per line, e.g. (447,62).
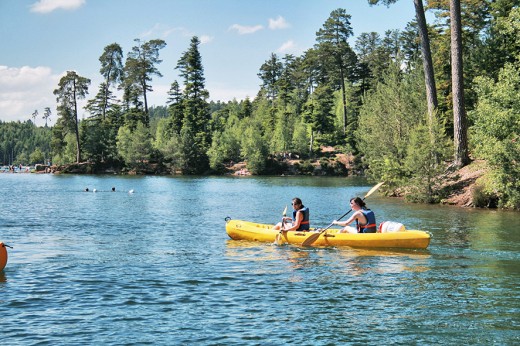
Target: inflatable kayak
(392,238)
(3,256)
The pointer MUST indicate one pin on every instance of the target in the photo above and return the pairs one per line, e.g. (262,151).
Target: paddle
(311,239)
(278,239)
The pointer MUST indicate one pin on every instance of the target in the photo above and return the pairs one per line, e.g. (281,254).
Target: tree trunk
(146,119)
(311,143)
(76,127)
(431,91)
(105,101)
(459,114)
(343,92)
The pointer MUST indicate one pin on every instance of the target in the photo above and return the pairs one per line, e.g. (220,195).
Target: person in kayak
(299,221)
(364,217)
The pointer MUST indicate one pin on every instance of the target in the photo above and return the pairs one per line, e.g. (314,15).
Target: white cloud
(244,30)
(278,23)
(47,6)
(289,47)
(163,31)
(205,39)
(24,90)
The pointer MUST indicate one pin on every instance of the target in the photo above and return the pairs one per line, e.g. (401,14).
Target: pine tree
(457,80)
(112,70)
(333,43)
(140,67)
(195,108)
(175,107)
(72,87)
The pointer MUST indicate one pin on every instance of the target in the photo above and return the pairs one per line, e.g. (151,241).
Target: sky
(43,39)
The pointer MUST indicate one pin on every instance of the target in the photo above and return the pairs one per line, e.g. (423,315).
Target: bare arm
(358,215)
(297,222)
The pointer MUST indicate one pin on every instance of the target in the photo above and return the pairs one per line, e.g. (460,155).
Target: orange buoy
(3,256)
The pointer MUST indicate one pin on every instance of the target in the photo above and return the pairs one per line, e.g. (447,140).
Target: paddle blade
(278,240)
(311,239)
(372,190)
(285,211)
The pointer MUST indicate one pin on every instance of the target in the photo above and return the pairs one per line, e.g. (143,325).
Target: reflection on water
(388,261)
(156,267)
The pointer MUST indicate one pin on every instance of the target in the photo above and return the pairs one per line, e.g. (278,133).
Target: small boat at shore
(3,256)
(393,238)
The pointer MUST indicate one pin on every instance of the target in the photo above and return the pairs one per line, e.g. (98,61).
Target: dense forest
(407,106)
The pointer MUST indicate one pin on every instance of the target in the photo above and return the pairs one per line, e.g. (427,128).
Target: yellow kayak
(3,256)
(403,239)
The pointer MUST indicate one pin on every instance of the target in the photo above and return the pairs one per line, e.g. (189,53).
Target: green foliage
(225,147)
(168,144)
(71,88)
(318,110)
(495,133)
(195,134)
(306,167)
(112,64)
(134,147)
(175,110)
(254,149)
(19,140)
(424,161)
(282,133)
(112,70)
(140,67)
(335,54)
(389,115)
(371,104)
(92,136)
(332,167)
(36,156)
(318,114)
(300,139)
(192,159)
(68,152)
(375,55)
(484,193)
(270,73)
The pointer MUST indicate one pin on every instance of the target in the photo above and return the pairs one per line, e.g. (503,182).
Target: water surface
(156,267)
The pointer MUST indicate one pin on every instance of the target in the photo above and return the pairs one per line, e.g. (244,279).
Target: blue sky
(42,39)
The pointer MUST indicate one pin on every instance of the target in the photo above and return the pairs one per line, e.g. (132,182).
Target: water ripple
(156,268)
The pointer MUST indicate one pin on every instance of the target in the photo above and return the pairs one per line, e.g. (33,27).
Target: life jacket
(370,226)
(305,224)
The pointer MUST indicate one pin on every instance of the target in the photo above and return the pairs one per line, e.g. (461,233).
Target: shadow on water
(241,250)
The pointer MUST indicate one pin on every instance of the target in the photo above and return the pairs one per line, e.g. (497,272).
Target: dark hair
(298,201)
(359,202)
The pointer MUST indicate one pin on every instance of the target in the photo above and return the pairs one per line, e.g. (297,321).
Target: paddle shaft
(278,238)
(315,236)
(284,214)
(311,239)
(341,217)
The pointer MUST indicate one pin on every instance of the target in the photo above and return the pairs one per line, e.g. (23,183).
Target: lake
(156,267)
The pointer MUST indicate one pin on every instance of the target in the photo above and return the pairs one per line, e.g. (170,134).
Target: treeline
(408,105)
(24,143)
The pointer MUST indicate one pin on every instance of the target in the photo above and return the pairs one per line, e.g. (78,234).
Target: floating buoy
(95,190)
(131,191)
(3,256)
